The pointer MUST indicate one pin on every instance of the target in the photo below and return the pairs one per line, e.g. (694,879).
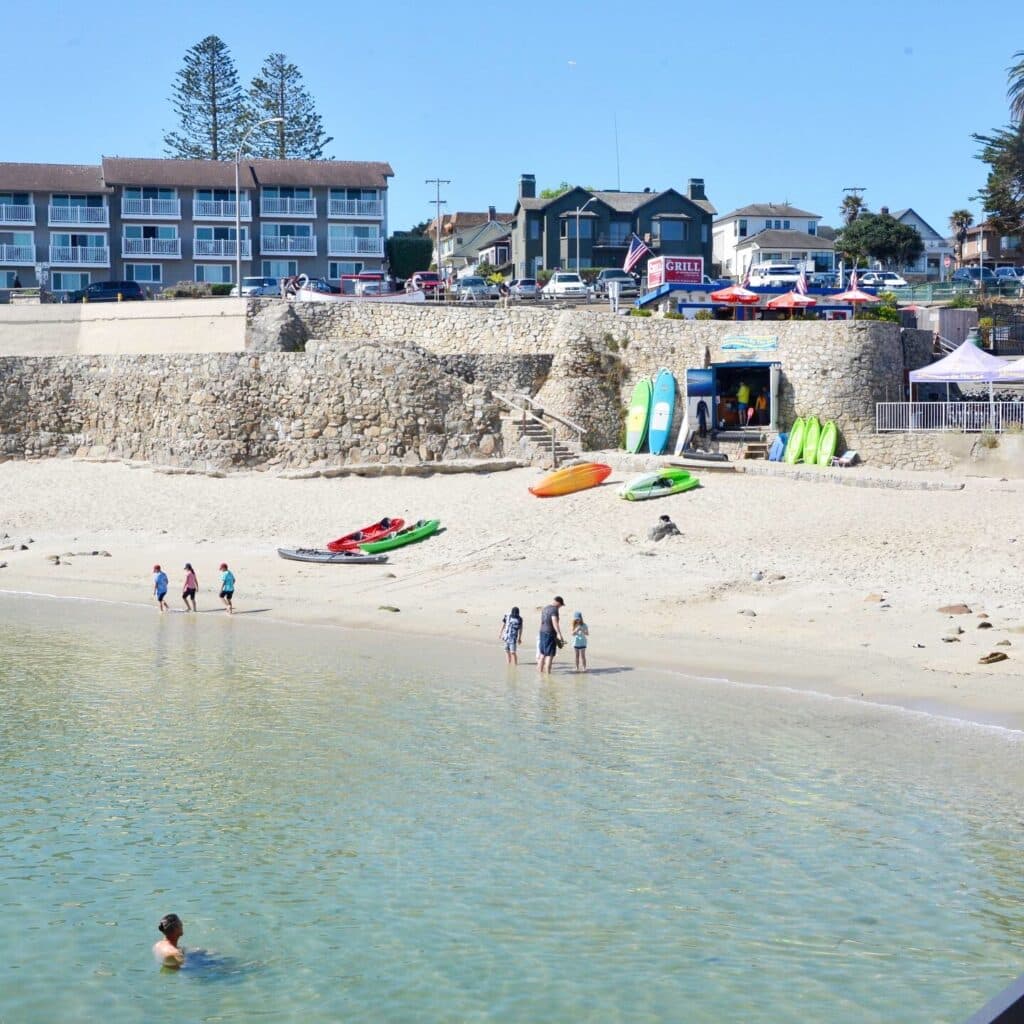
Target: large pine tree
(208,101)
(277,91)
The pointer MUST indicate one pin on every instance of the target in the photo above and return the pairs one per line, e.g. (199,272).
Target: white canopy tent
(967,364)
(1012,372)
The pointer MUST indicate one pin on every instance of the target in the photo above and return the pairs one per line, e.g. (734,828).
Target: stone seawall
(327,406)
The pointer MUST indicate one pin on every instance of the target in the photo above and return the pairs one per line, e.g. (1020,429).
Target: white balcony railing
(212,248)
(351,246)
(169,248)
(273,207)
(220,209)
(165,208)
(17,213)
(80,255)
(78,216)
(960,417)
(355,208)
(18,255)
(272,245)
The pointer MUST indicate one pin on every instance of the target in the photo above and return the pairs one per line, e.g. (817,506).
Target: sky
(765,102)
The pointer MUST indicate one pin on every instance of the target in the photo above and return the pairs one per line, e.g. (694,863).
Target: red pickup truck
(427,281)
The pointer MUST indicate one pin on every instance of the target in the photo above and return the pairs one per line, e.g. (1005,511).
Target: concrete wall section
(129,328)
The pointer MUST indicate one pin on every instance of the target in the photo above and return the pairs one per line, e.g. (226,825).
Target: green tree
(418,229)
(554,193)
(960,222)
(207,100)
(1015,90)
(278,91)
(882,237)
(1003,193)
(852,207)
(408,253)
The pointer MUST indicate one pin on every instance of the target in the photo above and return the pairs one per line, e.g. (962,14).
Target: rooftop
(769,210)
(221,173)
(52,177)
(774,239)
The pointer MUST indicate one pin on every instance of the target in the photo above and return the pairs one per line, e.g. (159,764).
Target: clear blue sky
(766,102)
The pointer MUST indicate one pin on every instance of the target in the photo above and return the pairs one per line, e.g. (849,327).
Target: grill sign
(674,270)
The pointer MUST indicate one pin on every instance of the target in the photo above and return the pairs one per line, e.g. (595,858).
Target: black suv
(106,291)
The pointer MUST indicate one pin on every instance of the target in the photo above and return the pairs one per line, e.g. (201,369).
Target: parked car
(524,288)
(974,275)
(106,291)
(322,285)
(778,274)
(823,279)
(883,280)
(565,285)
(1014,274)
(627,285)
(427,281)
(258,286)
(473,287)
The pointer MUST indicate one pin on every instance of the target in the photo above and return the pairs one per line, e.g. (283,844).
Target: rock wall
(326,406)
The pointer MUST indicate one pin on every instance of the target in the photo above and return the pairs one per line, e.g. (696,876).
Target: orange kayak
(572,478)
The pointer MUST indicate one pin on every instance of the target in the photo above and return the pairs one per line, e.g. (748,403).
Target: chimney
(647,188)
(695,189)
(527,187)
(492,214)
(884,211)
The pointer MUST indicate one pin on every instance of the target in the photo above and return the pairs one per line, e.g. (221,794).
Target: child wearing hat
(580,632)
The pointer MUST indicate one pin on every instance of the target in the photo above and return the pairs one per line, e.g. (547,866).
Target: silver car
(475,288)
(524,288)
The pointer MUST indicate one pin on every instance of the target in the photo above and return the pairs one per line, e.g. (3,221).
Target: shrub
(985,325)
(639,312)
(962,300)
(543,276)
(670,315)
(704,314)
(187,290)
(221,289)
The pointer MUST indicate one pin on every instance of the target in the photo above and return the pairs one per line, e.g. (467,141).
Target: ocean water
(375,828)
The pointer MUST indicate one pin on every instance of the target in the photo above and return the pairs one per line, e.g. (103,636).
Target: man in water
(167,950)
(550,634)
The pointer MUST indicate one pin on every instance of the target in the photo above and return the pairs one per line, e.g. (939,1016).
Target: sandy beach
(843,583)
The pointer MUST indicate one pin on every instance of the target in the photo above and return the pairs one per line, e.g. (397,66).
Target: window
(785,225)
(352,230)
(81,241)
(812,227)
(65,199)
(336,269)
(17,238)
(135,192)
(280,268)
(287,192)
(743,227)
(147,273)
(169,231)
(364,194)
(289,230)
(68,281)
(619,232)
(672,230)
(7,278)
(215,273)
(534,229)
(219,234)
(13,199)
(219,195)
(704,233)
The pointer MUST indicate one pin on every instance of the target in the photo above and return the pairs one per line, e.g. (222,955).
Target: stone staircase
(539,436)
(538,439)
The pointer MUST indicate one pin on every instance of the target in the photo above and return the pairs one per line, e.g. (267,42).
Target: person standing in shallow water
(160,587)
(511,635)
(168,951)
(550,634)
(227,586)
(188,591)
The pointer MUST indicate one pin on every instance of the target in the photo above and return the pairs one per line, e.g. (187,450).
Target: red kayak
(368,534)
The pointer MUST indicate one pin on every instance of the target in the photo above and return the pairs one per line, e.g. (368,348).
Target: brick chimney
(492,214)
(527,187)
(884,211)
(695,189)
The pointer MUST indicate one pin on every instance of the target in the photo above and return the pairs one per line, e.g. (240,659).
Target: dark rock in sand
(775,577)
(984,625)
(748,611)
(991,659)
(951,639)
(1003,643)
(387,608)
(955,609)
(982,615)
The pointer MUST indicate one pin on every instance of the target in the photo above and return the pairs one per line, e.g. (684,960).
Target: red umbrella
(737,294)
(853,296)
(791,300)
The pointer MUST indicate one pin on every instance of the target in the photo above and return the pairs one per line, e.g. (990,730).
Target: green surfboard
(812,435)
(410,535)
(637,416)
(827,444)
(795,444)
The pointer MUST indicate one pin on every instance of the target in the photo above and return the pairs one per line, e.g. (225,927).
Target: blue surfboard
(663,404)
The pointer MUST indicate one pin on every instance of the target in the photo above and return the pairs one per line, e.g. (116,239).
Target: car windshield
(568,278)
(780,270)
(617,273)
(527,282)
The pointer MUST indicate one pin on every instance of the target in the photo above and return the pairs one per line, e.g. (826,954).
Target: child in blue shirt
(160,587)
(227,586)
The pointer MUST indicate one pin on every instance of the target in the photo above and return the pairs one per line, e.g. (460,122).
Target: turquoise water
(351,832)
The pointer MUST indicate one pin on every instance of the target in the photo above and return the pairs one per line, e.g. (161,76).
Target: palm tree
(1015,90)
(960,222)
(851,207)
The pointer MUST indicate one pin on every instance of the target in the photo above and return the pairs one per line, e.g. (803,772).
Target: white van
(767,274)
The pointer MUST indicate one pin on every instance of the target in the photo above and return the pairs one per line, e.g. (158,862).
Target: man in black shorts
(550,634)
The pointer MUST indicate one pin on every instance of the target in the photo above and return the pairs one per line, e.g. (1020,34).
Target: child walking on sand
(227,587)
(511,635)
(188,591)
(160,587)
(580,632)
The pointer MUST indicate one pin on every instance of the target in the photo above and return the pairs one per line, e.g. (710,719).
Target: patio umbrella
(854,296)
(736,294)
(791,300)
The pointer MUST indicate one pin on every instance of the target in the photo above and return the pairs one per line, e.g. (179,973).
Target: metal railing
(271,206)
(131,207)
(18,255)
(355,208)
(350,245)
(74,216)
(151,247)
(525,404)
(220,209)
(203,248)
(17,213)
(80,255)
(274,244)
(956,417)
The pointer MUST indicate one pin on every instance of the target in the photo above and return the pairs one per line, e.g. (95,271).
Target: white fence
(962,417)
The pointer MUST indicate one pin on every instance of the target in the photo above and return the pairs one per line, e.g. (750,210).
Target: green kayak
(658,484)
(410,535)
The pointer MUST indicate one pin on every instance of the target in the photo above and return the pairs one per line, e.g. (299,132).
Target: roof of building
(221,173)
(51,177)
(620,202)
(900,214)
(769,210)
(775,239)
(462,221)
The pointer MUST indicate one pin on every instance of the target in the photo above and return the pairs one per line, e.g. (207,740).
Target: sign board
(674,270)
(947,262)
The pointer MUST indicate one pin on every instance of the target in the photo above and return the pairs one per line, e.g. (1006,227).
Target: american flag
(801,282)
(637,251)
(745,283)
(854,280)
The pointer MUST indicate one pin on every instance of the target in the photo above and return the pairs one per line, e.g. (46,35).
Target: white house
(769,233)
(466,236)
(932,263)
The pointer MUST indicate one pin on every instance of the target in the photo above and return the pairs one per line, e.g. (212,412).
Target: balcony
(220,209)
(355,208)
(18,255)
(288,245)
(164,209)
(219,248)
(79,216)
(271,207)
(17,213)
(163,248)
(79,256)
(350,246)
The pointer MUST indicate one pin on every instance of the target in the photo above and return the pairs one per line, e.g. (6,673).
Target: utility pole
(438,203)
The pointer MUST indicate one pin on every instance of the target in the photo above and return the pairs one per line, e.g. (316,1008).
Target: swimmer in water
(167,950)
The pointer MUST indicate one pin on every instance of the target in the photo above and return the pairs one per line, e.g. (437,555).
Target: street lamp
(579,210)
(238,200)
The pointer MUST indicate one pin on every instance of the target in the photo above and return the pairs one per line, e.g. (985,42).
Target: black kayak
(691,453)
(330,557)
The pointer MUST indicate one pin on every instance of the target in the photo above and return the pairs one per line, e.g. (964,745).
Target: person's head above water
(170,927)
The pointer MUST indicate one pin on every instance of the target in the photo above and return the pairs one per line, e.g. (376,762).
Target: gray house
(544,230)
(159,222)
